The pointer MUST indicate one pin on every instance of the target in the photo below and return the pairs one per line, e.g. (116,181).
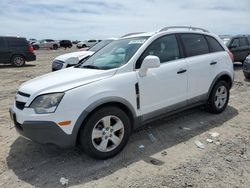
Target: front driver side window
(166,48)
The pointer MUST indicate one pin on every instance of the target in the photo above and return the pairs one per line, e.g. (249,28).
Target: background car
(246,67)
(16,50)
(66,44)
(239,45)
(71,59)
(89,43)
(46,44)
(32,41)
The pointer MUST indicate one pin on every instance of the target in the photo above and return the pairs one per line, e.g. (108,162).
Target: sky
(99,19)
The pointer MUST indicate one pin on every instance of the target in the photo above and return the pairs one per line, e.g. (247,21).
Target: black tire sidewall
(13,59)
(86,131)
(55,47)
(211,102)
(247,75)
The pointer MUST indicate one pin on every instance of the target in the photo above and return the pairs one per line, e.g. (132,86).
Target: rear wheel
(84,46)
(105,133)
(18,61)
(218,98)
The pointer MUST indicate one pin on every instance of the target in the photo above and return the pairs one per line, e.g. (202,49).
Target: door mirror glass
(149,62)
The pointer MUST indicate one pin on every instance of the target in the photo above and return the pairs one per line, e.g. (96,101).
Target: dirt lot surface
(170,159)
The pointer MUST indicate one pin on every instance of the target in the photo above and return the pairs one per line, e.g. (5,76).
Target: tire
(98,138)
(247,75)
(219,97)
(18,61)
(55,47)
(84,46)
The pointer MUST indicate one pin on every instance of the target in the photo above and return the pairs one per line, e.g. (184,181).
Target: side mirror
(149,62)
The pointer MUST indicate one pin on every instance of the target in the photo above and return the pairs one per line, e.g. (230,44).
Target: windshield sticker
(137,41)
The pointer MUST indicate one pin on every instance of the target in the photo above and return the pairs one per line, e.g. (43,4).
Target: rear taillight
(31,50)
(230,55)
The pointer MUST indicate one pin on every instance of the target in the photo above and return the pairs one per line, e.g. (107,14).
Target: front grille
(20,105)
(23,94)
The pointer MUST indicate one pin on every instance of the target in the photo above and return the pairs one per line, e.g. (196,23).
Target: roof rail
(129,34)
(183,27)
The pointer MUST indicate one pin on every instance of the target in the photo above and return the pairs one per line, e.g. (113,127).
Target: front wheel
(218,98)
(105,133)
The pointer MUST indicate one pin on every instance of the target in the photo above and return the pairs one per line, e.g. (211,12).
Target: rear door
(238,47)
(5,52)
(199,64)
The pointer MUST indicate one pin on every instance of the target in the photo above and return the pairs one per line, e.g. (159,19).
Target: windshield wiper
(91,67)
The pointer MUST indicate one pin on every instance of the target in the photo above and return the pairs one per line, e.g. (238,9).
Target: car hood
(74,57)
(63,80)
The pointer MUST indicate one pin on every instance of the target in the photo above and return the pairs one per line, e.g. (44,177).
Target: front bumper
(44,132)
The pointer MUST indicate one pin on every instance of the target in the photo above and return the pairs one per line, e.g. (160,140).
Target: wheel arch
(121,103)
(222,76)
(13,55)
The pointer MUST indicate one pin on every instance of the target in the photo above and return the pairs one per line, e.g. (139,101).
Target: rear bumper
(30,57)
(44,132)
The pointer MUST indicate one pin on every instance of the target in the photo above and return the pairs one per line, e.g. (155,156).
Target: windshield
(226,40)
(100,45)
(114,54)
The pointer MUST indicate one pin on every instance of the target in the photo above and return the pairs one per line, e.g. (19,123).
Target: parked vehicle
(31,40)
(130,82)
(71,59)
(66,44)
(75,41)
(87,44)
(239,45)
(246,67)
(15,50)
(46,44)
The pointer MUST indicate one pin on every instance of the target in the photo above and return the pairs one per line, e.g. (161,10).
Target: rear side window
(194,44)
(92,41)
(214,45)
(243,41)
(166,48)
(17,42)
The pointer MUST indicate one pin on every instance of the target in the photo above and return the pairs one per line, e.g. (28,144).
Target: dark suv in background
(15,50)
(239,45)
(66,44)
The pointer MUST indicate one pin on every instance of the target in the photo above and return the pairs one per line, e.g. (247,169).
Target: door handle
(181,71)
(213,63)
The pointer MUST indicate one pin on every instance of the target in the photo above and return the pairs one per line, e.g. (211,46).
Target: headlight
(46,103)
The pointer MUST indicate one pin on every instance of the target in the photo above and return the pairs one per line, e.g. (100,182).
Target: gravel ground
(170,160)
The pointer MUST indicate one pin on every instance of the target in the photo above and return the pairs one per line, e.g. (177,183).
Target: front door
(163,89)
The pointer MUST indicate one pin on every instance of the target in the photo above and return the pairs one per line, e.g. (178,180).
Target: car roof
(172,29)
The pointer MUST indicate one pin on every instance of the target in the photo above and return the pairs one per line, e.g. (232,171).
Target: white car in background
(88,43)
(71,59)
(46,44)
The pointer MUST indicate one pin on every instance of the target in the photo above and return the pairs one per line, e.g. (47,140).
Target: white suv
(130,82)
